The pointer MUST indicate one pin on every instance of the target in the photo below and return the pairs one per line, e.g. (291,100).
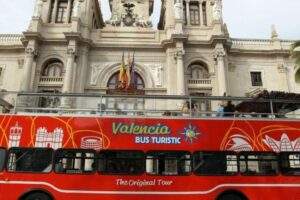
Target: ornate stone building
(69,48)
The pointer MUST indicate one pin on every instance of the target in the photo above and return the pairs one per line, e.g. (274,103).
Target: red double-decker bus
(51,156)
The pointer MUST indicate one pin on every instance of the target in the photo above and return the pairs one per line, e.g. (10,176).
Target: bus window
(2,158)
(290,163)
(122,162)
(30,160)
(73,161)
(215,163)
(258,163)
(168,163)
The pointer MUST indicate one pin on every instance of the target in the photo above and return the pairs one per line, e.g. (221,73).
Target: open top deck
(157,106)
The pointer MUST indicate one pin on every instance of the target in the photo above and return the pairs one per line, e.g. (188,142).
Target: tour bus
(54,155)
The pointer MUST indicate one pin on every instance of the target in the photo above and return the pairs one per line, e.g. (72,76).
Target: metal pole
(272,110)
(101,105)
(190,102)
(16,103)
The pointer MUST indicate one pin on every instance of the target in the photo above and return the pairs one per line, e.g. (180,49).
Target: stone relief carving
(115,20)
(281,68)
(130,13)
(96,69)
(179,53)
(20,63)
(219,52)
(231,67)
(31,52)
(157,73)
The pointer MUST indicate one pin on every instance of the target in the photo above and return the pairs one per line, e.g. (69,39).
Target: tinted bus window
(168,163)
(290,163)
(2,158)
(122,162)
(215,163)
(72,161)
(258,163)
(29,160)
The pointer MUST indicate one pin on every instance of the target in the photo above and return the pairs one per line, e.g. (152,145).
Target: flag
(132,71)
(122,74)
(128,73)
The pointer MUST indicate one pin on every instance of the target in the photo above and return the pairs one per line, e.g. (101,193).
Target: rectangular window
(30,160)
(184,13)
(290,163)
(122,162)
(194,14)
(168,163)
(215,163)
(258,163)
(62,15)
(204,14)
(256,79)
(2,158)
(73,161)
(51,13)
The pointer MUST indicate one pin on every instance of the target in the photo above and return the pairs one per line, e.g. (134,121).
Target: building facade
(69,48)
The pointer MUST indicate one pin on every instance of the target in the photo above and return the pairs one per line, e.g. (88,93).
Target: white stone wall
(11,63)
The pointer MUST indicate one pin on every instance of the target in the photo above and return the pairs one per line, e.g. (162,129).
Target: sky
(244,18)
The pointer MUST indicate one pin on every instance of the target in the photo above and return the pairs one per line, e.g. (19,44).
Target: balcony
(50,81)
(199,83)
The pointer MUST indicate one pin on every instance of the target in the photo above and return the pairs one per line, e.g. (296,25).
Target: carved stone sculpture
(38,8)
(76,9)
(217,10)
(130,13)
(178,10)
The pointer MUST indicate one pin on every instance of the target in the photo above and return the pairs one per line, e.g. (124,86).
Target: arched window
(198,71)
(297,76)
(113,82)
(53,68)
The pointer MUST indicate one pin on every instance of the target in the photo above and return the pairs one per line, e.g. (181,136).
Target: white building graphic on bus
(15,134)
(45,139)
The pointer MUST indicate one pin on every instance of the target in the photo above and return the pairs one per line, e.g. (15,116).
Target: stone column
(54,12)
(201,13)
(187,13)
(68,78)
(69,9)
(84,67)
(219,56)
(180,72)
(30,53)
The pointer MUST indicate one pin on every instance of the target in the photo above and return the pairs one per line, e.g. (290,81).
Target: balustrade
(47,80)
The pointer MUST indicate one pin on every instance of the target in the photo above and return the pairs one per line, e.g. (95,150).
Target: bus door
(2,161)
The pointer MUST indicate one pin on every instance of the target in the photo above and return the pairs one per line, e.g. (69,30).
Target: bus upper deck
(164,106)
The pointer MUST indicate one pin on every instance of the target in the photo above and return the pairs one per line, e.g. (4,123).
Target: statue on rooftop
(38,8)
(178,10)
(217,10)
